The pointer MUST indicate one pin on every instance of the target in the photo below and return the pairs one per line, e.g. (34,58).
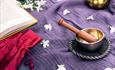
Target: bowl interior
(98,34)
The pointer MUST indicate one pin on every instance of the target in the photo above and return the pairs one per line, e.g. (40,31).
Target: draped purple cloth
(57,52)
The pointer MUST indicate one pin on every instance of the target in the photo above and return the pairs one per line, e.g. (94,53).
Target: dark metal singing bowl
(93,46)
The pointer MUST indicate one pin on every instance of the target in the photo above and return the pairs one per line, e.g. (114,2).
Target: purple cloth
(57,53)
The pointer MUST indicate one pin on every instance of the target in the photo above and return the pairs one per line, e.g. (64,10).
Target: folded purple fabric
(112,6)
(57,53)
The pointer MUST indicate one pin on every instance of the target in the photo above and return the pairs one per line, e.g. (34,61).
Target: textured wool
(57,53)
(13,49)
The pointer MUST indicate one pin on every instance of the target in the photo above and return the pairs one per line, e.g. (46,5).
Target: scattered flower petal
(30,6)
(61,67)
(112,29)
(90,17)
(45,43)
(66,11)
(37,4)
(40,4)
(48,27)
(108,69)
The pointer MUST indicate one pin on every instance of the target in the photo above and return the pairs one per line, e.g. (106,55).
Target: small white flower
(45,43)
(25,6)
(40,4)
(31,7)
(112,29)
(48,27)
(61,67)
(38,8)
(91,17)
(66,11)
(108,69)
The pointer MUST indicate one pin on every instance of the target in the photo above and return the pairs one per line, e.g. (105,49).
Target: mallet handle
(82,34)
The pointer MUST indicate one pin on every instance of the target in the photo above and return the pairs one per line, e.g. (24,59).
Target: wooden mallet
(82,34)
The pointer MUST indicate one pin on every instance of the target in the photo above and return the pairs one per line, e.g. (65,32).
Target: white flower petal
(44,46)
(31,7)
(40,4)
(90,17)
(45,43)
(112,29)
(66,11)
(38,8)
(108,69)
(61,67)
(48,27)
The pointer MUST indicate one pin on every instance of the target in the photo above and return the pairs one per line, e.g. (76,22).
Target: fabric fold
(12,49)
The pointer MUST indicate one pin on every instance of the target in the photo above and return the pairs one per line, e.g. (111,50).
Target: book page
(11,15)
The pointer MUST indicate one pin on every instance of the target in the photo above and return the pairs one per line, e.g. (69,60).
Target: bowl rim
(97,40)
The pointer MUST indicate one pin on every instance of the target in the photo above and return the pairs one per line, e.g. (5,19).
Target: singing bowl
(93,46)
(97,4)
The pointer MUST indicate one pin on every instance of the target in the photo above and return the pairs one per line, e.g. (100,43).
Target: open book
(13,18)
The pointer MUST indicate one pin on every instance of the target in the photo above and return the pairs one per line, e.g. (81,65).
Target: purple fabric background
(57,53)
